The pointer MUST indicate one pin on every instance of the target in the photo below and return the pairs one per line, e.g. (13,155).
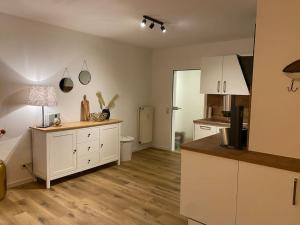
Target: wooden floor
(144,191)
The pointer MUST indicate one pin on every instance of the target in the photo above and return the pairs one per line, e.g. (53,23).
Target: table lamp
(42,96)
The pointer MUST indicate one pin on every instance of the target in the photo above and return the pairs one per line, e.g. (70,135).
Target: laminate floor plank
(143,191)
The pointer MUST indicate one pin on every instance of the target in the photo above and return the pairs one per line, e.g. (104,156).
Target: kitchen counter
(76,125)
(211,146)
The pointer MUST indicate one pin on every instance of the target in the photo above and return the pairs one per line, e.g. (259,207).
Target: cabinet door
(109,143)
(62,153)
(202,131)
(265,196)
(208,188)
(233,82)
(211,75)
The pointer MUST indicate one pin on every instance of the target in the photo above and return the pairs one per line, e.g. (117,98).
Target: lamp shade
(42,96)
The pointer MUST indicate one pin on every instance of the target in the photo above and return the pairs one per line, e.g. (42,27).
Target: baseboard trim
(142,147)
(20,182)
(161,148)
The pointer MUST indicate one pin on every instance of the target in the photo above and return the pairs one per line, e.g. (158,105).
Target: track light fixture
(151,25)
(153,22)
(143,23)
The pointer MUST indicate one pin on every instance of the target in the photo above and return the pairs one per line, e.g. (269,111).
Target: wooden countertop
(213,122)
(77,125)
(216,122)
(211,146)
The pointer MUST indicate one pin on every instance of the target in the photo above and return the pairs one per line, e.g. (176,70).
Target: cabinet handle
(205,128)
(89,135)
(101,145)
(89,161)
(218,86)
(74,151)
(295,191)
(89,148)
(224,86)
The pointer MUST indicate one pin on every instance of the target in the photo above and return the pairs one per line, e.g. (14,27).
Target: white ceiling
(187,21)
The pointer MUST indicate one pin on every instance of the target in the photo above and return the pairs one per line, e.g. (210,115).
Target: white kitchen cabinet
(69,149)
(233,81)
(203,130)
(62,153)
(208,188)
(109,147)
(211,75)
(266,195)
(222,75)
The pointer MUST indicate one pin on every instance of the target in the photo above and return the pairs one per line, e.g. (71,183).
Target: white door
(202,131)
(211,75)
(208,188)
(233,82)
(109,143)
(186,96)
(62,153)
(267,196)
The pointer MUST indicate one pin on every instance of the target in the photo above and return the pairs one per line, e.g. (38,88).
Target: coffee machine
(235,136)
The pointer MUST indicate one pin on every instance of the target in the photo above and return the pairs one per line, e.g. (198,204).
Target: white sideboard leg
(48,184)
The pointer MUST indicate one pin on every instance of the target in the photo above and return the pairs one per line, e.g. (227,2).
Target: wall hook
(291,88)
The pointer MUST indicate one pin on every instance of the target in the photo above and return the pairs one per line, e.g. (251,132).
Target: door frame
(172,101)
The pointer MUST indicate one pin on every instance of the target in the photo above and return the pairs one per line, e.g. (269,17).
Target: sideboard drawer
(89,160)
(87,134)
(87,147)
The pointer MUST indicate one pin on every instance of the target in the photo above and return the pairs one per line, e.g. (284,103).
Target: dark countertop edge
(212,122)
(210,146)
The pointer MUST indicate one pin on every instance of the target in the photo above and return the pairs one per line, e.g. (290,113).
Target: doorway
(188,105)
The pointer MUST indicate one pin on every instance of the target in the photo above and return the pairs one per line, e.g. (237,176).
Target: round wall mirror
(66,84)
(84,77)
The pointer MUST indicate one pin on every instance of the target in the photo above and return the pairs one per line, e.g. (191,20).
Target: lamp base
(43,119)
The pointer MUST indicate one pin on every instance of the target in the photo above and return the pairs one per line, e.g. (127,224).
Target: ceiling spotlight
(163,29)
(151,25)
(143,23)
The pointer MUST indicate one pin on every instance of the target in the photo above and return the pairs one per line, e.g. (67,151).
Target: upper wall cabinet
(211,75)
(233,79)
(222,75)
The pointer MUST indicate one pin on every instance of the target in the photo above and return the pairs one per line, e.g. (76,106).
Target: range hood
(246,63)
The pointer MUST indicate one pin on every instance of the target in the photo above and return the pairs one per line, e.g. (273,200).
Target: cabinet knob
(89,148)
(295,191)
(74,151)
(218,86)
(101,145)
(224,86)
(89,135)
(89,161)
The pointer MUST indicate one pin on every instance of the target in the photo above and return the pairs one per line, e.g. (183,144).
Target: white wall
(36,53)
(164,61)
(187,96)
(275,122)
